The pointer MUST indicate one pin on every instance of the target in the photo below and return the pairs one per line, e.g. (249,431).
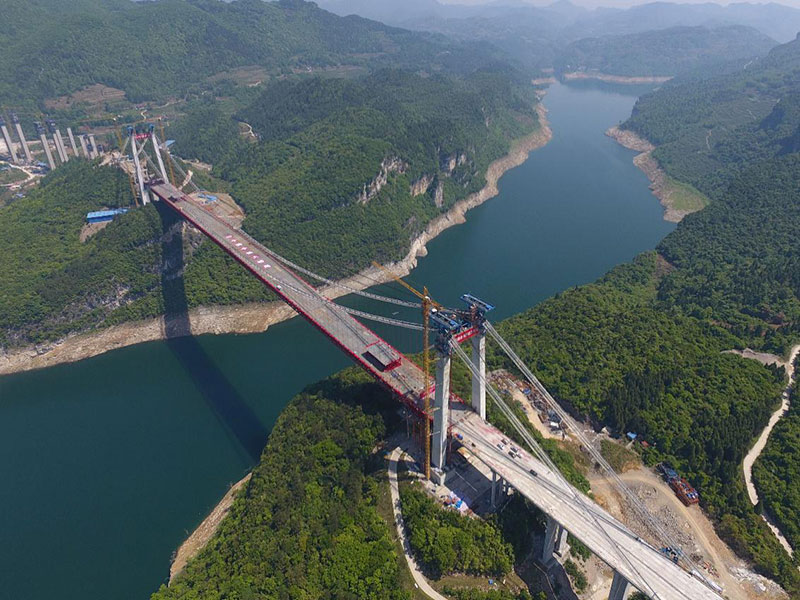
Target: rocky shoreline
(659,182)
(256,318)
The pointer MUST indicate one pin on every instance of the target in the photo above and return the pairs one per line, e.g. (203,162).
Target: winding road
(394,488)
(758,447)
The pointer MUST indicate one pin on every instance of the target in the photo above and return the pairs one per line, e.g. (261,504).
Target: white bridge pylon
(138,152)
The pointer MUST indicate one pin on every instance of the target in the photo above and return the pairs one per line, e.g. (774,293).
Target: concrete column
(7,140)
(479,383)
(62,149)
(441,415)
(157,151)
(562,545)
(95,153)
(550,535)
(47,153)
(494,489)
(72,142)
(139,172)
(620,588)
(82,140)
(24,142)
(555,541)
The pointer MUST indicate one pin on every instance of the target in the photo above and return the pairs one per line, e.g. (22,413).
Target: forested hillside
(777,470)
(663,52)
(163,49)
(346,172)
(642,349)
(311,522)
(708,130)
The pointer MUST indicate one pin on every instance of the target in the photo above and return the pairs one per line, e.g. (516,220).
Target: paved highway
(637,561)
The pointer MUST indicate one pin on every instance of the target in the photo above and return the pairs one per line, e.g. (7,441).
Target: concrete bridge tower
(441,402)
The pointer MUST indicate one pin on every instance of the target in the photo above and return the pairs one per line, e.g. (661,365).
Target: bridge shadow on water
(238,419)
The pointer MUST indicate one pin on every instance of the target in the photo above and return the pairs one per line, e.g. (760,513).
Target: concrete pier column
(8,142)
(46,145)
(562,544)
(72,142)
(137,164)
(550,535)
(479,383)
(620,588)
(555,541)
(95,152)
(82,140)
(22,140)
(441,415)
(62,149)
(494,489)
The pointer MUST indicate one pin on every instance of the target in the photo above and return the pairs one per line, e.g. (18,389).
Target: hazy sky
(621,3)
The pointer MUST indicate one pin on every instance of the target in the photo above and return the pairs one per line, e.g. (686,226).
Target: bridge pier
(620,588)
(555,541)
(441,412)
(479,382)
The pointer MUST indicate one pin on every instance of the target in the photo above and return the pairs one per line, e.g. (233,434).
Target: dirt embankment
(254,318)
(200,536)
(624,79)
(659,182)
(691,529)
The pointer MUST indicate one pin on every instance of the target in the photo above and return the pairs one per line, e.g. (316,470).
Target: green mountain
(663,52)
(166,48)
(346,172)
(643,347)
(707,130)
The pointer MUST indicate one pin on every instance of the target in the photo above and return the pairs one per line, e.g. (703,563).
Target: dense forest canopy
(777,471)
(643,348)
(308,187)
(314,521)
(707,130)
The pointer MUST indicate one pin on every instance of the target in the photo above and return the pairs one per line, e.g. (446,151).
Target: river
(108,463)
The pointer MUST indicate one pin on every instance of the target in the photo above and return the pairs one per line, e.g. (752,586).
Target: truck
(685,492)
(383,356)
(682,488)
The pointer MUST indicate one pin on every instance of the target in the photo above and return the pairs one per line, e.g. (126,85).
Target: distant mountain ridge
(664,52)
(162,48)
(535,36)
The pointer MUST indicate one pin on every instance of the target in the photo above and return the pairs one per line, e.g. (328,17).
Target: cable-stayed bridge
(636,563)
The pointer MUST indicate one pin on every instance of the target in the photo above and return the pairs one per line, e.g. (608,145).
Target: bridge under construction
(636,563)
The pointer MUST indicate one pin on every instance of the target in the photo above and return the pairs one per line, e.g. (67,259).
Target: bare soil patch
(690,528)
(93,95)
(90,229)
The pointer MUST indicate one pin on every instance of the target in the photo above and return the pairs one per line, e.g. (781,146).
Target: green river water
(107,464)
